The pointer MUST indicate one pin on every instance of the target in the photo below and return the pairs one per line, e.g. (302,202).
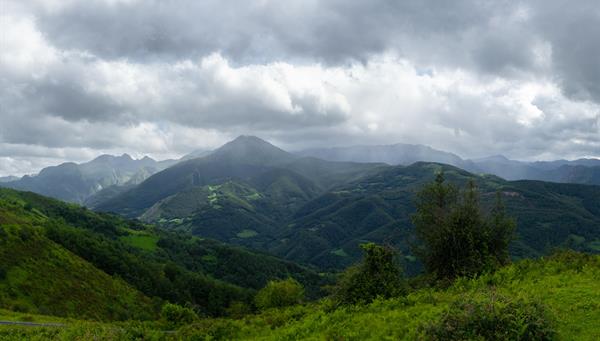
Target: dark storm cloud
(474,76)
(333,31)
(490,36)
(573,29)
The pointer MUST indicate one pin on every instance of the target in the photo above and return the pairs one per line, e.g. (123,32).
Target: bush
(237,310)
(176,315)
(456,238)
(209,329)
(378,275)
(493,318)
(280,293)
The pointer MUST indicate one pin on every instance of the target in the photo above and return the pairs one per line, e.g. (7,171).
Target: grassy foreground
(567,284)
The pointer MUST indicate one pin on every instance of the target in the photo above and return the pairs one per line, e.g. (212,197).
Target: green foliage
(378,275)
(567,283)
(277,294)
(457,239)
(493,318)
(162,265)
(152,275)
(42,277)
(378,207)
(175,315)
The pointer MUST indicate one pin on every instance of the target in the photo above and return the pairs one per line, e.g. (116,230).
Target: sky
(163,78)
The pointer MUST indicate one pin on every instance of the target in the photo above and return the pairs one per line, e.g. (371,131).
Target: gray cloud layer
(164,77)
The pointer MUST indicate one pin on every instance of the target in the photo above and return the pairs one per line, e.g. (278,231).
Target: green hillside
(566,286)
(288,209)
(37,275)
(327,230)
(289,181)
(163,265)
(317,212)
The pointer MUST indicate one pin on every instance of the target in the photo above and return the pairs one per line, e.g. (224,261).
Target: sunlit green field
(568,285)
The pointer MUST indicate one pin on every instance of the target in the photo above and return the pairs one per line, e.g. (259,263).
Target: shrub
(280,293)
(378,275)
(209,329)
(491,318)
(176,315)
(456,238)
(238,310)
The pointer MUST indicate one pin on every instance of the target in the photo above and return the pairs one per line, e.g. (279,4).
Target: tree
(175,315)
(281,293)
(455,237)
(378,275)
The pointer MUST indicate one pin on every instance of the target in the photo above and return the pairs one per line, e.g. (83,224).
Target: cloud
(163,78)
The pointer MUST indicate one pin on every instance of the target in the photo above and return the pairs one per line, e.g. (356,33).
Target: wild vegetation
(456,238)
(317,212)
(168,285)
(554,298)
(44,238)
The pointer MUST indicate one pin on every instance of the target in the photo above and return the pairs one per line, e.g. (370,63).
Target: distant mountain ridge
(313,211)
(8,178)
(583,171)
(106,177)
(395,154)
(77,182)
(247,161)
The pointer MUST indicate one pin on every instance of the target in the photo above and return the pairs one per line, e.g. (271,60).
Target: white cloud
(476,80)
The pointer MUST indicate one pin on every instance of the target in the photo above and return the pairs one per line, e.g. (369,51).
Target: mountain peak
(251,150)
(494,158)
(248,139)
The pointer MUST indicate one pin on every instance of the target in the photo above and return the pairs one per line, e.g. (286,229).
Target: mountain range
(107,176)
(307,209)
(77,182)
(317,212)
(210,230)
(582,171)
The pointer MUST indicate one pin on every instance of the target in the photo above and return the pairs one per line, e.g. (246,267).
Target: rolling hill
(564,287)
(307,210)
(38,275)
(151,262)
(284,180)
(327,230)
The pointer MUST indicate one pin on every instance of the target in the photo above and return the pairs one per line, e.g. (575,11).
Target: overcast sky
(162,78)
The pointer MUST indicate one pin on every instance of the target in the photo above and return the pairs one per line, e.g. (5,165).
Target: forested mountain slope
(38,275)
(163,265)
(327,230)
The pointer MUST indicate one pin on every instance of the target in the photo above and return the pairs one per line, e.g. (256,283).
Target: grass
(594,245)
(41,277)
(141,241)
(8,315)
(568,286)
(340,252)
(246,233)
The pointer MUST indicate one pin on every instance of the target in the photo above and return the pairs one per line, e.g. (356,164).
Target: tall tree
(378,275)
(455,237)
